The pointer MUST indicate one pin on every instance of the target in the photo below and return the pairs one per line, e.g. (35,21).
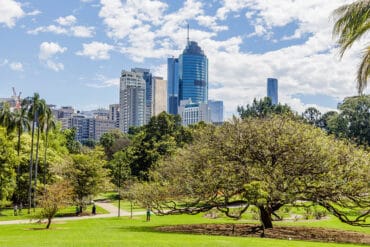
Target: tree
(53,198)
(353,120)
(351,24)
(114,141)
(48,125)
(267,163)
(87,175)
(120,172)
(160,137)
(263,108)
(312,116)
(8,162)
(6,118)
(74,147)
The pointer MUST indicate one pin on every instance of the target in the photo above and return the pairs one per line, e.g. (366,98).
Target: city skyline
(72,53)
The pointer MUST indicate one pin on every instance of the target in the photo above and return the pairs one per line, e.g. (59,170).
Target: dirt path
(113,212)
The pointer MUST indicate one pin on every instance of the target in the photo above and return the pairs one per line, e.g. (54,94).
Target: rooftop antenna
(188,35)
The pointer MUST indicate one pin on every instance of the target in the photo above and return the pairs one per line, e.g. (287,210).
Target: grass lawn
(8,214)
(125,205)
(136,232)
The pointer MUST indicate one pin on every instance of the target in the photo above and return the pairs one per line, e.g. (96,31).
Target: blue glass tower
(172,85)
(217,111)
(193,74)
(272,90)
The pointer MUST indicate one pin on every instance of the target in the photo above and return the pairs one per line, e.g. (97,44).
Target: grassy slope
(136,232)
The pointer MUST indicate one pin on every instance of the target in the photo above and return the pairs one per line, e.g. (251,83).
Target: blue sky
(72,52)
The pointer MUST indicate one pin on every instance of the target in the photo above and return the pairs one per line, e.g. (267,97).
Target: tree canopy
(267,163)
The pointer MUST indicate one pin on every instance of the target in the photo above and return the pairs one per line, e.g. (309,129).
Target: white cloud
(104,82)
(16,66)
(67,20)
(96,50)
(4,62)
(34,12)
(10,11)
(67,27)
(48,50)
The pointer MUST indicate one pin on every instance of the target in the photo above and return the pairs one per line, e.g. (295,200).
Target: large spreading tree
(265,162)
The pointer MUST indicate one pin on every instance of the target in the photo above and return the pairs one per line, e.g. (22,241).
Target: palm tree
(21,123)
(352,21)
(32,104)
(6,117)
(48,124)
(40,113)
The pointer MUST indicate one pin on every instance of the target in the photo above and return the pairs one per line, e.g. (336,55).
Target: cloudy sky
(72,52)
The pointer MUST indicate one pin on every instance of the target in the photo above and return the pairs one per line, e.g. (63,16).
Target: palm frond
(363,71)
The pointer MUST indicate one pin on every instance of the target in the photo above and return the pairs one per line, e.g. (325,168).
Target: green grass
(136,232)
(125,205)
(8,214)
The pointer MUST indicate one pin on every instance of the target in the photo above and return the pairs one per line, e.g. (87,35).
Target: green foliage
(160,137)
(267,162)
(87,175)
(353,121)
(8,163)
(263,108)
(74,147)
(114,141)
(351,24)
(312,116)
(120,168)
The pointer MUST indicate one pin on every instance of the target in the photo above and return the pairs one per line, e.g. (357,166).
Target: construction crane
(17,99)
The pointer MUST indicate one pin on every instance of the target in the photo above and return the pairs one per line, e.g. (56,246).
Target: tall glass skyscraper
(193,74)
(217,111)
(172,85)
(272,90)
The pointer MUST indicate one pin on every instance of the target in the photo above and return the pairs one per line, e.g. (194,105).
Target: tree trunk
(46,148)
(36,165)
(49,223)
(265,217)
(30,168)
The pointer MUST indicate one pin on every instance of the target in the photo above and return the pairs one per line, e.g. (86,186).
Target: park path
(113,212)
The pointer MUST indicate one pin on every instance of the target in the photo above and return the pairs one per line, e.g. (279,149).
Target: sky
(72,52)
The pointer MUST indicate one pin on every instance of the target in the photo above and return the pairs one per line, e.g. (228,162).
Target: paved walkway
(113,212)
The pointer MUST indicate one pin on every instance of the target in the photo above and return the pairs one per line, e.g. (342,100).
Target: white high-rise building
(159,95)
(132,100)
(192,113)
(114,114)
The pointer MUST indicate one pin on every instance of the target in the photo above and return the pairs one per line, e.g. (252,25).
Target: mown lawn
(136,232)
(8,214)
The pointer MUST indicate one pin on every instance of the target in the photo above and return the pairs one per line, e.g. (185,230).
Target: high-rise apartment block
(159,102)
(272,90)
(133,108)
(217,111)
(114,114)
(148,78)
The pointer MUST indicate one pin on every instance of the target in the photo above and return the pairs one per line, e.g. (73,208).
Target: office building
(217,111)
(159,95)
(193,74)
(272,90)
(132,100)
(172,85)
(192,112)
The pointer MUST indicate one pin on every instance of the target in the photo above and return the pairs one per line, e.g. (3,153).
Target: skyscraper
(159,95)
(193,74)
(172,85)
(217,111)
(132,100)
(148,78)
(272,90)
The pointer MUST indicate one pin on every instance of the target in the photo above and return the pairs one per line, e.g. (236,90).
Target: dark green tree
(114,141)
(263,108)
(73,146)
(160,137)
(312,116)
